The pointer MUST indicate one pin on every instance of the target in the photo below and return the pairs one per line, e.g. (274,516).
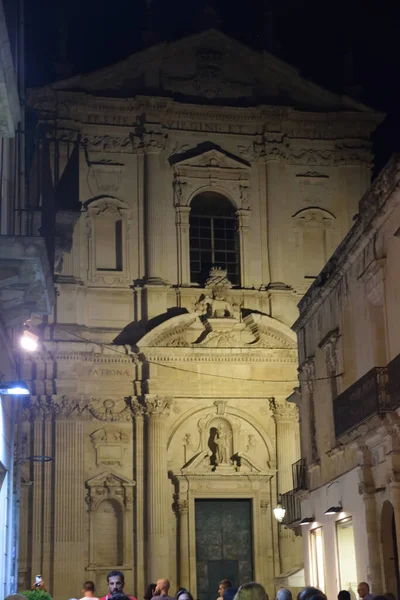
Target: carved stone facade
(159,383)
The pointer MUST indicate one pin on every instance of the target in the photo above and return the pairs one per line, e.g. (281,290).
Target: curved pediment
(190,331)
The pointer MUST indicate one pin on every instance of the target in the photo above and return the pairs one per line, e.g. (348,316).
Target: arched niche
(315,237)
(109,498)
(108,525)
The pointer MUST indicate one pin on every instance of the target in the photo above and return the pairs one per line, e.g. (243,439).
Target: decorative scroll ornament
(109,486)
(158,406)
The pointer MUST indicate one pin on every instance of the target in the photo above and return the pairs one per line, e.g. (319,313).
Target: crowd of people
(226,591)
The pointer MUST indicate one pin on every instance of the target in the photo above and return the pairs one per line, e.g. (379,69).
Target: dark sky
(330,42)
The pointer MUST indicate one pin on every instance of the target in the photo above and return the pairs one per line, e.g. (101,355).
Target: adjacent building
(25,276)
(205,184)
(349,354)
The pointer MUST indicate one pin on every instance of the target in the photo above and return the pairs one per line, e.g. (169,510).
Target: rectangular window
(346,555)
(213,242)
(317,558)
(108,232)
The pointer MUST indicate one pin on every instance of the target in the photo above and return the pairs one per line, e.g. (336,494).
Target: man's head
(310,592)
(162,587)
(115,582)
(284,594)
(88,587)
(344,595)
(363,589)
(223,585)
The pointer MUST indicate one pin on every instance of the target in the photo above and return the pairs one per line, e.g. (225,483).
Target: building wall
(347,327)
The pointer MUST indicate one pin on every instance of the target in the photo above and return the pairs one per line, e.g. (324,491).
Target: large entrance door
(224,544)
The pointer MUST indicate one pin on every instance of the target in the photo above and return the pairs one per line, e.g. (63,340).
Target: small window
(108,243)
(213,237)
(317,558)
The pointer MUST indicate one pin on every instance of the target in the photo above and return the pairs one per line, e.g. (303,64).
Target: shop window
(317,558)
(346,556)
(213,237)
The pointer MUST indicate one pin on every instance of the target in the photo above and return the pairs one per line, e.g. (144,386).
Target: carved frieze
(107,143)
(57,407)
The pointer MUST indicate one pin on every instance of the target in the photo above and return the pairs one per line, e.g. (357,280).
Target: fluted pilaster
(154,222)
(158,493)
(288,451)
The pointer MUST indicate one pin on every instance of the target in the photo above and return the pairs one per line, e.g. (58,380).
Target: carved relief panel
(220,442)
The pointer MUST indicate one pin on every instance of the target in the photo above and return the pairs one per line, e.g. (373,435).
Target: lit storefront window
(346,556)
(317,558)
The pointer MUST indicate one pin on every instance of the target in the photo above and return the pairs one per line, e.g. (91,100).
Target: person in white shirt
(88,591)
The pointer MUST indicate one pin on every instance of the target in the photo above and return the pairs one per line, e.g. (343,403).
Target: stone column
(153,210)
(139,580)
(182,224)
(159,498)
(182,513)
(288,452)
(243,216)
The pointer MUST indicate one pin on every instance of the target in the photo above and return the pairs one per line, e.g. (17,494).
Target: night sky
(346,45)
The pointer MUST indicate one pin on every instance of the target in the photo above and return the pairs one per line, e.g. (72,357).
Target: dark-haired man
(115,582)
(88,591)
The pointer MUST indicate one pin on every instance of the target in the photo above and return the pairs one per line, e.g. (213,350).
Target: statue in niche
(216,306)
(219,444)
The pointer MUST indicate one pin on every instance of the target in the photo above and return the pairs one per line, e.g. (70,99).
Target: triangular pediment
(213,158)
(109,479)
(214,67)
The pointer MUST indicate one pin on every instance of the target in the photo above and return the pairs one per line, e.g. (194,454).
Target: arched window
(213,237)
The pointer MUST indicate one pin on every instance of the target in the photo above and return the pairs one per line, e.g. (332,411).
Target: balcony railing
(365,398)
(291,504)
(299,472)
(394,380)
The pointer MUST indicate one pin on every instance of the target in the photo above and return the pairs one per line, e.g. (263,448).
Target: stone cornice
(83,108)
(203,355)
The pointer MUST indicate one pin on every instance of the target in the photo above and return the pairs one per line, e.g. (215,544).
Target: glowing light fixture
(29,341)
(14,388)
(279,513)
(334,510)
(307,521)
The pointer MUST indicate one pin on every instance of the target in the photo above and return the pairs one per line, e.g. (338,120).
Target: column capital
(284,412)
(158,406)
(181,507)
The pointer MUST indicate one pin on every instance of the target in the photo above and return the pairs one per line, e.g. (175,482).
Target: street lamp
(279,512)
(14,388)
(29,341)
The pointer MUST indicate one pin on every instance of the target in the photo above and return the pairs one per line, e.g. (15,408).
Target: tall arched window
(213,237)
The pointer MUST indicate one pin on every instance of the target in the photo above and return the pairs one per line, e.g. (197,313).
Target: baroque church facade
(212,184)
